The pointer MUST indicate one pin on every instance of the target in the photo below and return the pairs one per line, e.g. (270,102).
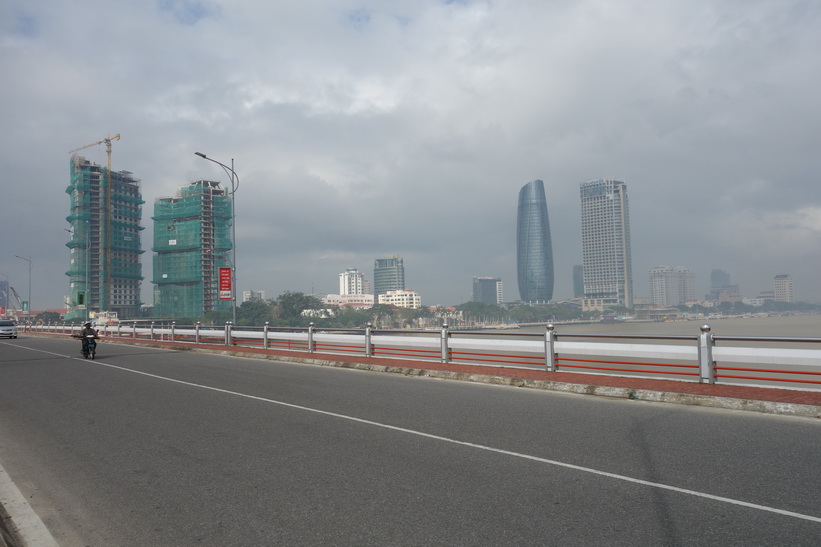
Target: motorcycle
(90,346)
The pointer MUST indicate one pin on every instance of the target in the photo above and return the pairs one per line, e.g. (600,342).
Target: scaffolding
(105,215)
(192,240)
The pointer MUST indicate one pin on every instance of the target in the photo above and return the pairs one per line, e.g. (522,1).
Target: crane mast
(105,220)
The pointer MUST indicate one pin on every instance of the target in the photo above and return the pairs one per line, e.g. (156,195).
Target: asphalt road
(154,447)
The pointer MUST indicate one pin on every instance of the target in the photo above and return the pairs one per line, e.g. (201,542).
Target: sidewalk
(758,399)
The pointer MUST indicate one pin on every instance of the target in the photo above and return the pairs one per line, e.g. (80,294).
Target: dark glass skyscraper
(533,247)
(388,275)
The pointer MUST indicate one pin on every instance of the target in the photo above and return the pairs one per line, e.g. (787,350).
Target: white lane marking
(469,444)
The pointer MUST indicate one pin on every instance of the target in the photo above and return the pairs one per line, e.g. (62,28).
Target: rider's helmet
(87,324)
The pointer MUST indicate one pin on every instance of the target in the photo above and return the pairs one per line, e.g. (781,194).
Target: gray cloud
(365,129)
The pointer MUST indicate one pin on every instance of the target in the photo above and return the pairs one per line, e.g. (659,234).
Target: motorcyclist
(87,330)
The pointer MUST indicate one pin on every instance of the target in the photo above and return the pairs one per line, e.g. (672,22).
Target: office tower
(783,288)
(721,288)
(578,281)
(192,240)
(534,252)
(606,257)
(487,290)
(105,213)
(388,275)
(352,281)
(672,286)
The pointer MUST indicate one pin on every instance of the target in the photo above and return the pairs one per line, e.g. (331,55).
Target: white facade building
(348,300)
(352,281)
(783,288)
(253,296)
(672,286)
(402,299)
(606,255)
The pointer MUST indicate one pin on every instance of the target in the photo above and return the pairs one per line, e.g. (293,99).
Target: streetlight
(87,302)
(234,186)
(28,312)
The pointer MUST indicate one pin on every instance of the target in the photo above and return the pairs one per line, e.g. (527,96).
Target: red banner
(225,284)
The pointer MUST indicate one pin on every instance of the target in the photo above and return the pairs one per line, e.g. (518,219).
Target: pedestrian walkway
(758,399)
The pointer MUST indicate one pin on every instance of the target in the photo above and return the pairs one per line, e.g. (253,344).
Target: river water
(802,326)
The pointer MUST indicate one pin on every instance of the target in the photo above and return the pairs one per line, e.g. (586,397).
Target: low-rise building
(406,298)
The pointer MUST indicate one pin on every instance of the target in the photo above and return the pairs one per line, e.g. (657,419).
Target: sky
(362,129)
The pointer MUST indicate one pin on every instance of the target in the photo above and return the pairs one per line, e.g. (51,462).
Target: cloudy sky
(361,129)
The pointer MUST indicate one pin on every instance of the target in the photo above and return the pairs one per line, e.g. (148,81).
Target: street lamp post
(234,186)
(29,261)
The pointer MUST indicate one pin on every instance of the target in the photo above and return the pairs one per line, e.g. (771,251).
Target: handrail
(637,355)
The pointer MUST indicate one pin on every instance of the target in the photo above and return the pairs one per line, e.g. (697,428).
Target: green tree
(254,313)
(48,317)
(288,308)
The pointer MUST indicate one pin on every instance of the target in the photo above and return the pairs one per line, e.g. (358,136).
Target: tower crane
(106,219)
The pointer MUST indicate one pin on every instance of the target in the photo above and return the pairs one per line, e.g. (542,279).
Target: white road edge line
(25,521)
(468,444)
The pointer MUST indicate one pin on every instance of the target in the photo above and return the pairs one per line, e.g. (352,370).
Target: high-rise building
(578,281)
(606,255)
(487,290)
(192,240)
(388,275)
(721,288)
(534,251)
(783,288)
(672,286)
(105,214)
(352,281)
(5,300)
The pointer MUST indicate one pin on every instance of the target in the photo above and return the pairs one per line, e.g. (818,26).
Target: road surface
(155,447)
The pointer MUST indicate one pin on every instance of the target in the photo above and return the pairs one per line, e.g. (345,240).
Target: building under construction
(192,240)
(105,270)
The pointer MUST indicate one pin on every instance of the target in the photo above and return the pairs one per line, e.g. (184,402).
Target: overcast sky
(361,129)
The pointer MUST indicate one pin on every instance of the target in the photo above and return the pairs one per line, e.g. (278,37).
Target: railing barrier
(549,348)
(706,365)
(445,349)
(703,357)
(369,340)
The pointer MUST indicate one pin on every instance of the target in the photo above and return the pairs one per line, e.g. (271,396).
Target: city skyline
(359,130)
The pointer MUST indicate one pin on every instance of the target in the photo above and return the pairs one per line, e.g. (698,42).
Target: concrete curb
(18,521)
(638,394)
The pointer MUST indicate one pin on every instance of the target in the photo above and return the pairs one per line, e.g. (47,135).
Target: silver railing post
(549,348)
(706,365)
(134,330)
(197,332)
(227,333)
(265,336)
(173,326)
(119,330)
(368,340)
(445,350)
(311,337)
(152,331)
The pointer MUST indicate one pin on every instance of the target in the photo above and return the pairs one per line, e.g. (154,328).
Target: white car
(8,328)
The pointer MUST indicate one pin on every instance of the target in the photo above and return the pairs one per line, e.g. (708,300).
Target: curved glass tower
(533,247)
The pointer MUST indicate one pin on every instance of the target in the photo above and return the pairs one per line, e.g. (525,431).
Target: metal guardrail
(704,357)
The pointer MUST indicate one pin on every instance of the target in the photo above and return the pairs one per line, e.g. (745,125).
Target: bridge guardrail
(705,357)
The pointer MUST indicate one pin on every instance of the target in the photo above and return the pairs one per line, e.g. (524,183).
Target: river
(802,326)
